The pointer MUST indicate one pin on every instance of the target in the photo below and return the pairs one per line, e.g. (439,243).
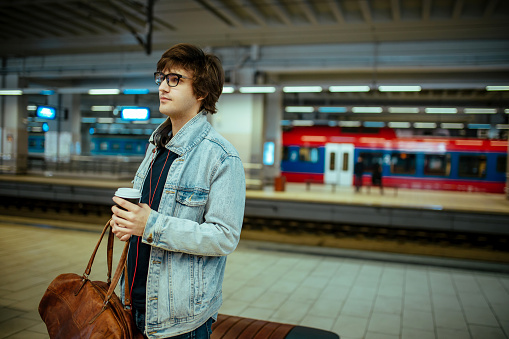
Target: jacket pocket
(191,203)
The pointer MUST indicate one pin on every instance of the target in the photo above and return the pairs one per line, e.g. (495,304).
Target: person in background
(358,172)
(376,177)
(192,206)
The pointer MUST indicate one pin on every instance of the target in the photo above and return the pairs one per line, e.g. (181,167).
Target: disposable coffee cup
(130,194)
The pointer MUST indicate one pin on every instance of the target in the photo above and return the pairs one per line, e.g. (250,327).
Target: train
(326,154)
(107,145)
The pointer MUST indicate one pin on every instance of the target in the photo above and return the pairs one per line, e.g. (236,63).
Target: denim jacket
(198,223)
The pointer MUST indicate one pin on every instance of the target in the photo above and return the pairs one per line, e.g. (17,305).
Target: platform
(336,290)
(418,209)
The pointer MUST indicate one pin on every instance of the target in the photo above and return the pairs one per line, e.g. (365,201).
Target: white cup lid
(129,193)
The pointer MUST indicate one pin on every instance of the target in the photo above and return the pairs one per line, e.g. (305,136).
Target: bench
(232,327)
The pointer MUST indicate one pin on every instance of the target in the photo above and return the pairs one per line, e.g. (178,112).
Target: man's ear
(203,97)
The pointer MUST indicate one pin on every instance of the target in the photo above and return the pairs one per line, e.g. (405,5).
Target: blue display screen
(135,113)
(46,112)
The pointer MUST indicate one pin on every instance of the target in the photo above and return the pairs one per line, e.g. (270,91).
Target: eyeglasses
(172,79)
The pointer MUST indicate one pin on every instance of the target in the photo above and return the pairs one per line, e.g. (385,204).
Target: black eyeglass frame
(165,76)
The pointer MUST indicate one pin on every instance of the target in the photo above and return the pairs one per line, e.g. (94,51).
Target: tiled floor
(328,289)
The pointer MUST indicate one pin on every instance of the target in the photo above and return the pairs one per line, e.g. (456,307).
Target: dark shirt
(139,253)
(358,169)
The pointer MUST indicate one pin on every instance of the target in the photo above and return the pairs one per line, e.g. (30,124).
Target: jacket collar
(190,135)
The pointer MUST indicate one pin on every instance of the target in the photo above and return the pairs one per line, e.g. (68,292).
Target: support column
(63,139)
(273,114)
(13,129)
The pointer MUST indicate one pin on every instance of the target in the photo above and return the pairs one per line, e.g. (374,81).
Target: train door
(339,163)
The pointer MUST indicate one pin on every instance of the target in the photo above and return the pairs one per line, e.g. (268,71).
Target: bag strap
(109,252)
(118,272)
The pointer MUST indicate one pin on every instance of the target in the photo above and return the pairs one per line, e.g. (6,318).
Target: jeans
(202,332)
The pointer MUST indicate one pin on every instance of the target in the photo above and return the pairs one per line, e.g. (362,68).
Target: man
(358,171)
(192,206)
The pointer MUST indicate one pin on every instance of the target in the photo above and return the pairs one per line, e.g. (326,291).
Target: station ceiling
(35,27)
(453,48)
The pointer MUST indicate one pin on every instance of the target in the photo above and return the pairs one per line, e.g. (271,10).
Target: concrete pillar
(13,129)
(273,114)
(63,139)
(240,121)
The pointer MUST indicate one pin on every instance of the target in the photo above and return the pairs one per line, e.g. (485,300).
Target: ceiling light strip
(338,89)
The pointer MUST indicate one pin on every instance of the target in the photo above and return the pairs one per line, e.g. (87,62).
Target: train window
(403,163)
(369,159)
(103,146)
(332,165)
(436,164)
(32,142)
(502,163)
(294,155)
(286,153)
(345,161)
(128,147)
(472,166)
(115,146)
(308,154)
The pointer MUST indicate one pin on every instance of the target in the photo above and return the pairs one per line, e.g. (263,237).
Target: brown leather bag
(76,307)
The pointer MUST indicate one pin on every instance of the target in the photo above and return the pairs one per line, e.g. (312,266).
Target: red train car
(327,155)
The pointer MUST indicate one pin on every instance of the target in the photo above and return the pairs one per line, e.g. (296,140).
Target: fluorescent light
(367,109)
(257,89)
(302,89)
(303,122)
(399,88)
(425,125)
(286,123)
(480,110)
(452,125)
(479,126)
(105,120)
(506,111)
(102,108)
(502,126)
(349,123)
(441,110)
(31,107)
(403,109)
(228,89)
(332,109)
(349,89)
(299,109)
(88,120)
(374,124)
(136,91)
(497,88)
(11,92)
(104,91)
(397,124)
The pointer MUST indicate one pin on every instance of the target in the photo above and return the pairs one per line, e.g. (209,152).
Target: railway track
(459,245)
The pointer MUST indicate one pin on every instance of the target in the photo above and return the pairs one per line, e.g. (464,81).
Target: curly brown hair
(206,68)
